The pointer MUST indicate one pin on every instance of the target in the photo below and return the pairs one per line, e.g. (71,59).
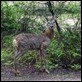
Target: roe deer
(25,41)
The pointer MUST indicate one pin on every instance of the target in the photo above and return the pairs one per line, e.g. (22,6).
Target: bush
(6,56)
(67,51)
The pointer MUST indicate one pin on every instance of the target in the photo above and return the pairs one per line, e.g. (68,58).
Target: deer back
(29,41)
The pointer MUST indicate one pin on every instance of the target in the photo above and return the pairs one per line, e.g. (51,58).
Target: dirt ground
(28,74)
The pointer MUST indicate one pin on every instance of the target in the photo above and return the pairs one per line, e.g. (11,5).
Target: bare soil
(32,74)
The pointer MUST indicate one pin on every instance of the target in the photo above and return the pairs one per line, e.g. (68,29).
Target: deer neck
(49,33)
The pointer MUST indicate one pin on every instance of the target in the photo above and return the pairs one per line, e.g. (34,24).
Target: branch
(52,12)
(50,8)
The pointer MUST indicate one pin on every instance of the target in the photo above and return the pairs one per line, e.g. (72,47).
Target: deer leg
(18,54)
(16,62)
(38,56)
(43,62)
(43,54)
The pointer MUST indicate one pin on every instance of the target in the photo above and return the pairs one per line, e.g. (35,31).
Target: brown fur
(49,33)
(25,41)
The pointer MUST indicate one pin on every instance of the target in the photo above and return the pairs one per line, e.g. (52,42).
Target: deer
(39,42)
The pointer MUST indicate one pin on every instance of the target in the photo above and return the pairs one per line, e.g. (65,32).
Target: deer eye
(53,21)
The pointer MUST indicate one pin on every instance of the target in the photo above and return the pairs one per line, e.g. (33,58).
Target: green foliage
(8,17)
(76,66)
(28,57)
(38,65)
(7,41)
(6,57)
(73,8)
(50,65)
(67,51)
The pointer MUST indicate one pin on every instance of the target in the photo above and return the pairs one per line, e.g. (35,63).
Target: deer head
(50,23)
(49,27)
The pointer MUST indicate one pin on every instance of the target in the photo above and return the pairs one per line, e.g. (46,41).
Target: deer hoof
(47,71)
(44,70)
(17,73)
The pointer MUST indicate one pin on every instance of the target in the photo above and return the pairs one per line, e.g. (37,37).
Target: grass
(6,55)
(7,41)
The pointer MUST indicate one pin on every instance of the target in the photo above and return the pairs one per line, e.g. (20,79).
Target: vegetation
(29,16)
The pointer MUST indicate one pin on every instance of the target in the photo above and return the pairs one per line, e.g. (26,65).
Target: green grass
(7,41)
(6,55)
(76,67)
